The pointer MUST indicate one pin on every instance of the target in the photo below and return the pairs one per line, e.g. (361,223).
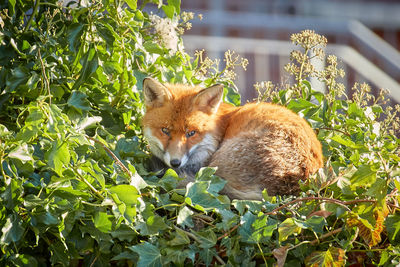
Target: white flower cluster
(166,30)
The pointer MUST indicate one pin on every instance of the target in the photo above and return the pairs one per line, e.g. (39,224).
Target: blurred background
(363,34)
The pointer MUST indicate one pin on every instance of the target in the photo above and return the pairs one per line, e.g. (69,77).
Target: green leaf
(364,176)
(185,217)
(87,121)
(316,223)
(263,228)
(180,238)
(346,142)
(59,253)
(103,221)
(22,153)
(207,255)
(392,224)
(246,228)
(90,63)
(12,4)
(74,36)
(19,76)
(155,224)
(106,34)
(125,196)
(149,255)
(198,197)
(79,101)
(207,238)
(132,4)
(176,4)
(355,111)
(58,156)
(378,189)
(287,228)
(169,11)
(124,233)
(24,260)
(12,230)
(152,47)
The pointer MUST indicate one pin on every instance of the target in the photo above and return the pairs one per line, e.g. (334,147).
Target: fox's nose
(175,163)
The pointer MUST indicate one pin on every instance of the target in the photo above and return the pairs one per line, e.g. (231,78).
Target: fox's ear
(155,93)
(209,99)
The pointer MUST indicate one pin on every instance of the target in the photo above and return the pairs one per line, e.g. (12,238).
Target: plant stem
(123,167)
(229,232)
(324,199)
(316,241)
(35,9)
(89,185)
(47,83)
(333,129)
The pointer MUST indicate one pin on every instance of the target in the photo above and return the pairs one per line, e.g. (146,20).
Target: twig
(338,202)
(227,233)
(47,83)
(317,240)
(333,129)
(117,160)
(89,185)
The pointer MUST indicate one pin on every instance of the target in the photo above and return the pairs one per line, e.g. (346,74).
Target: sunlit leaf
(22,153)
(333,257)
(287,228)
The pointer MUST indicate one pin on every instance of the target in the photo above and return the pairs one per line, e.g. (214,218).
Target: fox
(254,147)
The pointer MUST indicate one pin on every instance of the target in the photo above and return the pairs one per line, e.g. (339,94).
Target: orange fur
(254,146)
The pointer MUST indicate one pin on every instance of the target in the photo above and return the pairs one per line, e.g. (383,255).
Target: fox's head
(181,122)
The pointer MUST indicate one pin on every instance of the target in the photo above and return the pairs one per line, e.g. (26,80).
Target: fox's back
(269,144)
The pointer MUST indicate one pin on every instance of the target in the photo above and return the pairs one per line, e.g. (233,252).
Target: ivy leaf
(22,153)
(149,255)
(332,257)
(90,63)
(74,34)
(392,224)
(207,238)
(103,221)
(58,156)
(346,142)
(155,224)
(179,239)
(287,228)
(316,223)
(185,217)
(364,176)
(132,4)
(86,121)
(125,196)
(198,197)
(79,101)
(59,253)
(246,230)
(12,230)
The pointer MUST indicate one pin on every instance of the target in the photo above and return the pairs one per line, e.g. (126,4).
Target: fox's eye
(165,131)
(190,134)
